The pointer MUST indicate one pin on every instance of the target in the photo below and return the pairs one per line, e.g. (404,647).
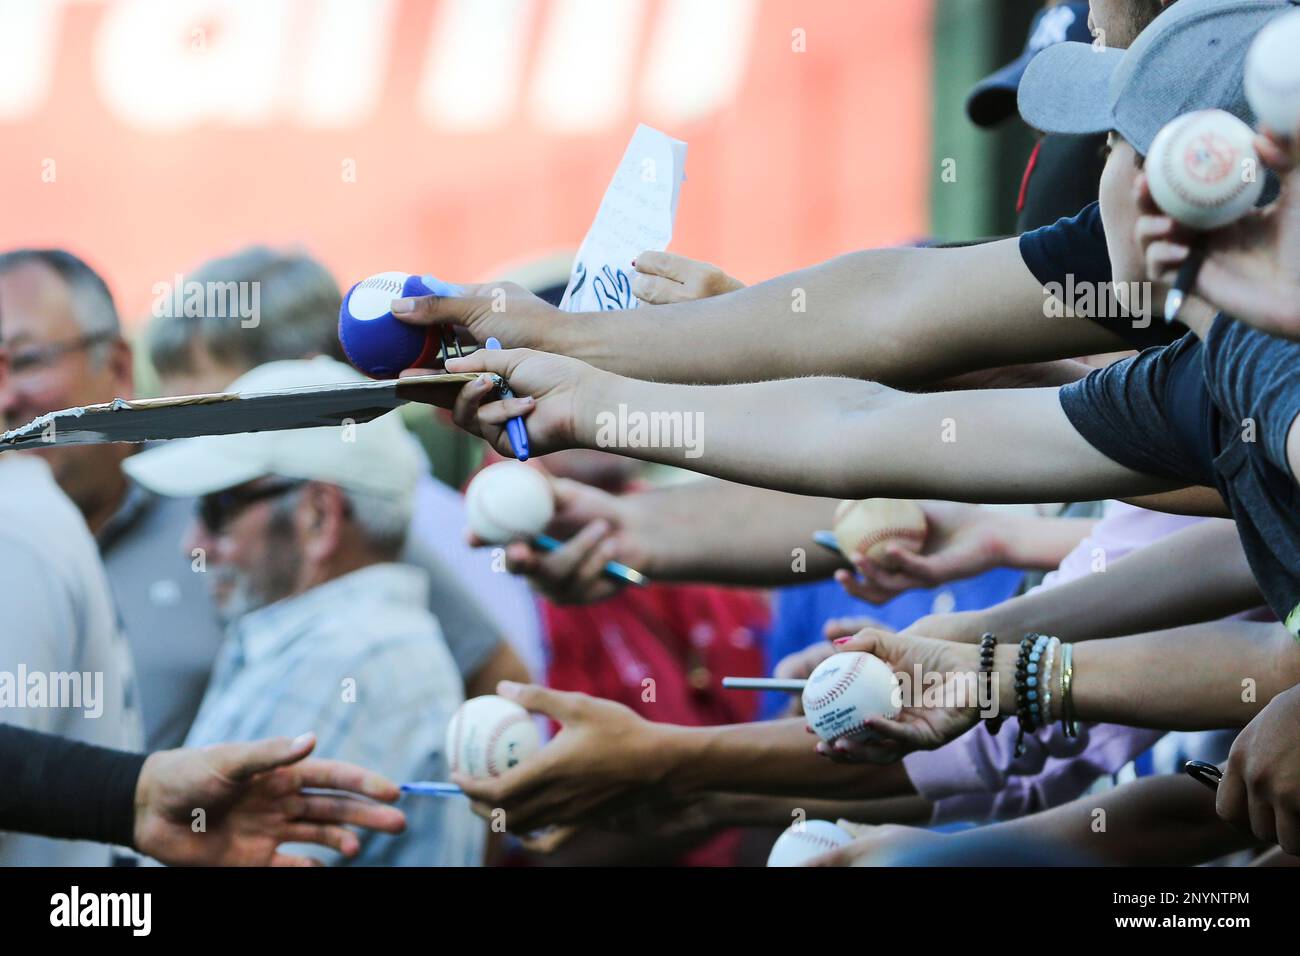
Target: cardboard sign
(228,413)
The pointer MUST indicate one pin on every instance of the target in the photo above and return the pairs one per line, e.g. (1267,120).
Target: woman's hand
(919,725)
(665,277)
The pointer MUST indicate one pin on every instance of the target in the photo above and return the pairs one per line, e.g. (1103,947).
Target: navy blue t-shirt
(1212,413)
(1072,254)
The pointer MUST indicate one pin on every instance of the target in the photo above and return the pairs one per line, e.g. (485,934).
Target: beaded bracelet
(1028,674)
(1022,689)
(988,643)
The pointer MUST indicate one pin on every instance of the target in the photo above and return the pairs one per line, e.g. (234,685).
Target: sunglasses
(218,509)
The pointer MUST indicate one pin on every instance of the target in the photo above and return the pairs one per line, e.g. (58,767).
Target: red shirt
(663,651)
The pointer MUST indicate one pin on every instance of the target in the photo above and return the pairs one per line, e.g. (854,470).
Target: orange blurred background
(454,136)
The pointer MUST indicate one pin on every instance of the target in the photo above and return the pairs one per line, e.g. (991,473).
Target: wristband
(988,644)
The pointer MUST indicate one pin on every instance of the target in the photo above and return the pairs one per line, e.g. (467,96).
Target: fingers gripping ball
(1203,169)
(488,735)
(1272,78)
(844,690)
(870,526)
(374,340)
(507,501)
(805,840)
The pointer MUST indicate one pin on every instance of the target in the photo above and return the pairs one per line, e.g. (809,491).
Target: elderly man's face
(247,541)
(53,364)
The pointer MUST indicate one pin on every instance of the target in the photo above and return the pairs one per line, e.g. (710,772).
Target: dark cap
(1191,57)
(993,99)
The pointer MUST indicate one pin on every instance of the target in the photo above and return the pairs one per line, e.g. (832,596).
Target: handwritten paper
(636,214)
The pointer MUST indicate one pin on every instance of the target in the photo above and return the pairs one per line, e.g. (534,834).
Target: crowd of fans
(1106,494)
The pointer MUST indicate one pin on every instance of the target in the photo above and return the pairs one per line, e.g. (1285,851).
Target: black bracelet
(988,643)
(1022,690)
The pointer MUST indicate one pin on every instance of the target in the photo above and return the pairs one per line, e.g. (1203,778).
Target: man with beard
(300,533)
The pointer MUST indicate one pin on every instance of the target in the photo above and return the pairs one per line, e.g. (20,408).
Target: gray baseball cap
(1191,57)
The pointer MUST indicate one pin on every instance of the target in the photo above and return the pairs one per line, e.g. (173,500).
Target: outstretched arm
(1206,676)
(1166,821)
(1197,574)
(829,437)
(904,316)
(606,758)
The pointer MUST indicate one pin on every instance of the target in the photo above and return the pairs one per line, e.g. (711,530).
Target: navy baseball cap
(993,99)
(1191,57)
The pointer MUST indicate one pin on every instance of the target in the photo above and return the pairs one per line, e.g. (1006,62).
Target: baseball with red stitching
(846,689)
(804,840)
(870,526)
(488,735)
(1203,170)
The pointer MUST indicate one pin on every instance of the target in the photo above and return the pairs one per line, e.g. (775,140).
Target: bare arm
(826,437)
(1206,676)
(1167,821)
(1197,574)
(1189,678)
(850,439)
(903,316)
(1193,500)
(1156,820)
(706,531)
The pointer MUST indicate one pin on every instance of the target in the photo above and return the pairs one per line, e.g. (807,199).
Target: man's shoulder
(377,635)
(37,518)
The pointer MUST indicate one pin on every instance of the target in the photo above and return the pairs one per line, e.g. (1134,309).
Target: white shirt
(65,667)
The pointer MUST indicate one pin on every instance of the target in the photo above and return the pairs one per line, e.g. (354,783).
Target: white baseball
(803,841)
(372,297)
(488,735)
(844,690)
(869,526)
(508,500)
(1203,169)
(1272,78)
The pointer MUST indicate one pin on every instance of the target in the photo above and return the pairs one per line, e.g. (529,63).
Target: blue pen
(613,569)
(515,427)
(430,788)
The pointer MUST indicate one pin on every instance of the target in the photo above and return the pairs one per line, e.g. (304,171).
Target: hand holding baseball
(1252,267)
(664,277)
(502,309)
(597,527)
(915,727)
(602,752)
(960,541)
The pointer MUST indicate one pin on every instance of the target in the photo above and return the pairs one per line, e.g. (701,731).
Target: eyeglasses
(218,509)
(26,361)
